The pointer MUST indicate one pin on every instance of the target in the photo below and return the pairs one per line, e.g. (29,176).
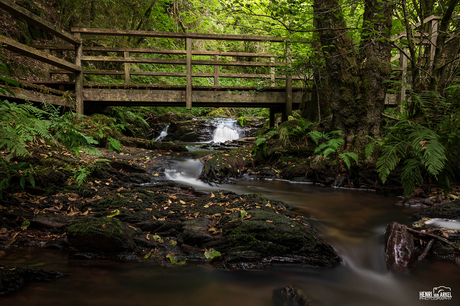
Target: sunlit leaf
(211,254)
(113,213)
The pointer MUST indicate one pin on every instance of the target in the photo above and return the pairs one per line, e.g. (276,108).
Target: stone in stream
(13,278)
(100,235)
(399,247)
(293,296)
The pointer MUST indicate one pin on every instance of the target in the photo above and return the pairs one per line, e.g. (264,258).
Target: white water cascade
(226,130)
(163,134)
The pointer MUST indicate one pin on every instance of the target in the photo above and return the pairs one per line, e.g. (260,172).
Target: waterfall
(226,130)
(163,134)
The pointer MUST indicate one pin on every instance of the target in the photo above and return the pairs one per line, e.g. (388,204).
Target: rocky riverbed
(124,208)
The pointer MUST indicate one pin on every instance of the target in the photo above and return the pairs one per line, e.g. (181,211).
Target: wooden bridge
(279,95)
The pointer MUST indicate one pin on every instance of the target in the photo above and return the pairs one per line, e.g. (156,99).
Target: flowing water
(226,130)
(352,221)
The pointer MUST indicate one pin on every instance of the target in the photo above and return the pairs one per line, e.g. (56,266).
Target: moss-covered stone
(266,234)
(448,211)
(105,235)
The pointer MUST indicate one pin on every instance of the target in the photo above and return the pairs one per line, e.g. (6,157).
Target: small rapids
(226,130)
(163,134)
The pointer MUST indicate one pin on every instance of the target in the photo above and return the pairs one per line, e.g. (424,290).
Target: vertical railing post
(272,117)
(433,39)
(47,68)
(188,90)
(79,104)
(216,71)
(288,111)
(272,72)
(127,69)
(403,66)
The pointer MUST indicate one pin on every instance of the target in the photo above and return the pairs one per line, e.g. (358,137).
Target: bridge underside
(175,96)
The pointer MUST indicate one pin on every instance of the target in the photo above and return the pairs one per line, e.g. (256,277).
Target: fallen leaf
(148,254)
(211,254)
(113,213)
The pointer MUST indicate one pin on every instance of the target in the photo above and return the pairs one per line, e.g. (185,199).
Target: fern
(423,150)
(114,145)
(347,157)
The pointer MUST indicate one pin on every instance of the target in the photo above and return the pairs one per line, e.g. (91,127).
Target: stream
(352,221)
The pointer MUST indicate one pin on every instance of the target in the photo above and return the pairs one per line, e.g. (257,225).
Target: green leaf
(211,254)
(243,214)
(22,182)
(25,225)
(113,213)
(31,179)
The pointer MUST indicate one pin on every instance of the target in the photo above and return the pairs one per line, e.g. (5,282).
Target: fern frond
(411,175)
(390,159)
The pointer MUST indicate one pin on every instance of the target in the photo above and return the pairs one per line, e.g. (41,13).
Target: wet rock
(12,278)
(272,237)
(106,235)
(195,232)
(449,210)
(292,296)
(399,247)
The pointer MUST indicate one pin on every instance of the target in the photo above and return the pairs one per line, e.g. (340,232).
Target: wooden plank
(79,102)
(180,74)
(140,60)
(35,96)
(127,69)
(28,16)
(131,96)
(17,47)
(156,51)
(188,92)
(110,32)
(216,71)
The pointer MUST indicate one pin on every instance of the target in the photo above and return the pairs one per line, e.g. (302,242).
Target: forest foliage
(420,142)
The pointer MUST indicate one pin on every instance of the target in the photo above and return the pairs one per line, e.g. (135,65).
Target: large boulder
(265,236)
(106,235)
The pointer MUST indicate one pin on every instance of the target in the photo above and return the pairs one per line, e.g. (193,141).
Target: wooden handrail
(17,47)
(28,16)
(159,34)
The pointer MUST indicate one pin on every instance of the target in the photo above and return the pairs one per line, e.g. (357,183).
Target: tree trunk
(356,79)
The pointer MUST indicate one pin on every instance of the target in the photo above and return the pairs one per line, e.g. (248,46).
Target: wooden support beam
(272,73)
(170,96)
(288,111)
(188,92)
(127,69)
(79,105)
(272,117)
(17,47)
(28,16)
(110,32)
(403,66)
(216,71)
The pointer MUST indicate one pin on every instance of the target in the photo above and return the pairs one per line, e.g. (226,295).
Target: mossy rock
(448,211)
(106,235)
(267,235)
